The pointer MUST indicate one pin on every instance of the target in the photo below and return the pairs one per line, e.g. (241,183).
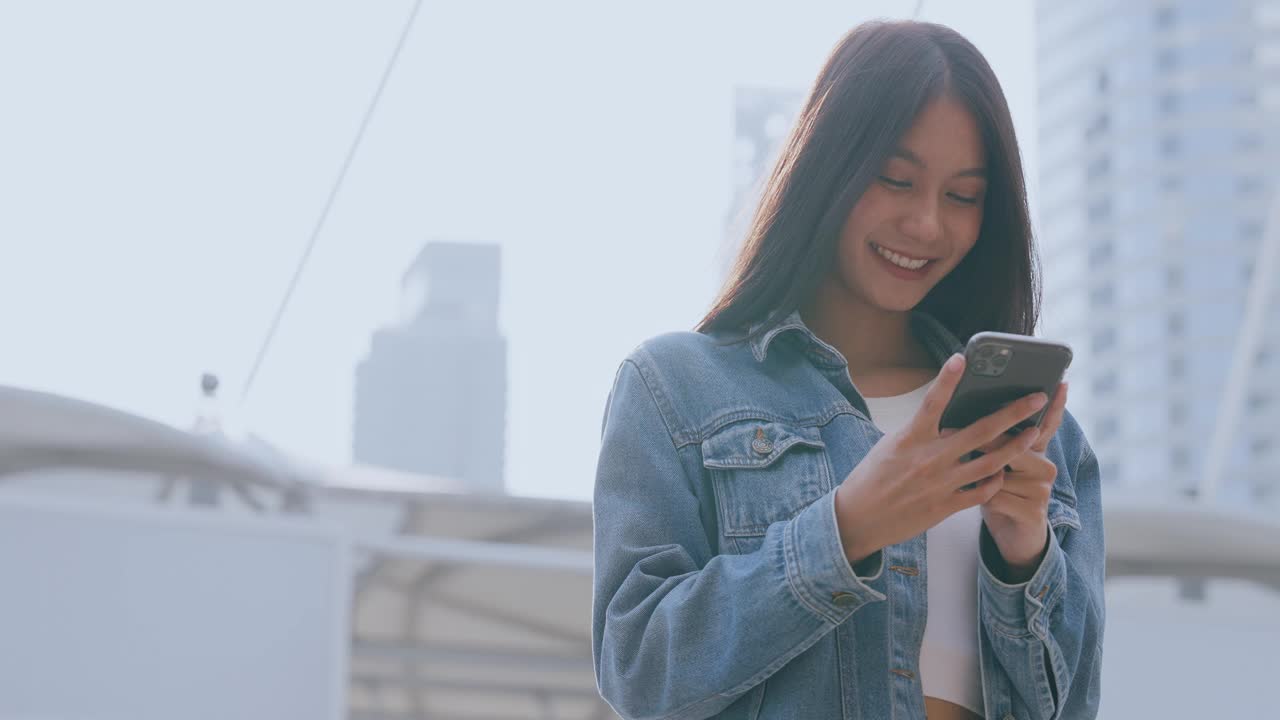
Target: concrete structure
(388,595)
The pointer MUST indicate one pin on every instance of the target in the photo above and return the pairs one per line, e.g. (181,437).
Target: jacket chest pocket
(763,472)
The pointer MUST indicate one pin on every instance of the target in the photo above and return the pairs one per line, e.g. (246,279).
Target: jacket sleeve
(677,631)
(1043,637)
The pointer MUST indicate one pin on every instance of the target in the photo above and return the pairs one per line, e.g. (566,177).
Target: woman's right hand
(912,480)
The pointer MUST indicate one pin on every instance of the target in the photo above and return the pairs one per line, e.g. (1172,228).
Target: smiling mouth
(906,262)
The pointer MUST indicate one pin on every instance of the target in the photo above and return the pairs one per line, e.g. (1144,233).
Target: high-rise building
(1159,145)
(431,394)
(762,117)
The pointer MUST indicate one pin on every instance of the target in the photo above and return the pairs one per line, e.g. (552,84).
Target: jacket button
(843,598)
(762,444)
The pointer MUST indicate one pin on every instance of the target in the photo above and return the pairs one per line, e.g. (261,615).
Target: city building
(431,394)
(762,117)
(1158,147)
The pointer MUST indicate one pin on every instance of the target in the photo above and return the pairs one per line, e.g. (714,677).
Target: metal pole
(477,552)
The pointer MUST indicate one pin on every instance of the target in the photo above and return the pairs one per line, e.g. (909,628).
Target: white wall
(157,615)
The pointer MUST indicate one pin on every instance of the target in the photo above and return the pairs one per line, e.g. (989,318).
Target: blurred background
(309,312)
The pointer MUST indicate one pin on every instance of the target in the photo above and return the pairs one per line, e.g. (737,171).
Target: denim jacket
(721,587)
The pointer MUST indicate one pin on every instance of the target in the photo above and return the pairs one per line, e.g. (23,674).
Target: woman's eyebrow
(914,159)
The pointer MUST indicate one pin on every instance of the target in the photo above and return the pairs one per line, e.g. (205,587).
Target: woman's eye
(901,184)
(964,199)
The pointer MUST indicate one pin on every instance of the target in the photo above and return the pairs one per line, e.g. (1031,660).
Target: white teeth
(898,260)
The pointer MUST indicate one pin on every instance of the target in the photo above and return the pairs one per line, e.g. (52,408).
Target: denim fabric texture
(721,588)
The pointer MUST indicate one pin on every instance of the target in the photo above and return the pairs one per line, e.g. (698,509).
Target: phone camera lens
(1000,361)
(986,351)
(980,366)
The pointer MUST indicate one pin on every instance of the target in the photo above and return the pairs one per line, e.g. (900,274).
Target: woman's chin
(897,302)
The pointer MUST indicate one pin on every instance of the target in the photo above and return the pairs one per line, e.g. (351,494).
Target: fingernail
(1038,400)
(953,363)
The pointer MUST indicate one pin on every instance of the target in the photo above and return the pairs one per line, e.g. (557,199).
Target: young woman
(781,529)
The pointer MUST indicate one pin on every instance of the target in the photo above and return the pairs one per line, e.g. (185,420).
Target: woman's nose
(921,222)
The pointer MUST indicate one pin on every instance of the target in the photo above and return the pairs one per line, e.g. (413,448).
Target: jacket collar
(940,342)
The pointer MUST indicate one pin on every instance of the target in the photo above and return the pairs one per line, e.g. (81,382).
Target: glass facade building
(1159,138)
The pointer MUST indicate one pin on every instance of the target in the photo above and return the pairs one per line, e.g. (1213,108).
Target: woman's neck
(871,339)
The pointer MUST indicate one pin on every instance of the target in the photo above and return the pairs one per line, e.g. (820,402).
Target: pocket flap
(755,444)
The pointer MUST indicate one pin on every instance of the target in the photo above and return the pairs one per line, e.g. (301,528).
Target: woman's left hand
(1017,517)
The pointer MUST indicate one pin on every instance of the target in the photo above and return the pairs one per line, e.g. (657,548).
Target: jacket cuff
(818,572)
(1019,609)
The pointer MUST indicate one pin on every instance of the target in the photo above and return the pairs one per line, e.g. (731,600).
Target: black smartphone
(1000,368)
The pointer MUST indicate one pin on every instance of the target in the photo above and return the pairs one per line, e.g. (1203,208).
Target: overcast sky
(162,166)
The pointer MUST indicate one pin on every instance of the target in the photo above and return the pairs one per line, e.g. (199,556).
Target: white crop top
(949,656)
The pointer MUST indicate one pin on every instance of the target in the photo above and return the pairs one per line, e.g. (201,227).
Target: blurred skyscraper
(431,395)
(1158,148)
(761,119)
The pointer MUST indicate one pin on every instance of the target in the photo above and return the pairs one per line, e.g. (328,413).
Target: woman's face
(921,215)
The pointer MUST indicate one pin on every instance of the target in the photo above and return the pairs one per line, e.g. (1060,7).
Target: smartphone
(1000,368)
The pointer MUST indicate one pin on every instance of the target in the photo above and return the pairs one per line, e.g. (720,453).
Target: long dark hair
(875,82)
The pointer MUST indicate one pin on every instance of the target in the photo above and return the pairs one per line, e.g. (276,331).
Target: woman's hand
(1017,516)
(912,480)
